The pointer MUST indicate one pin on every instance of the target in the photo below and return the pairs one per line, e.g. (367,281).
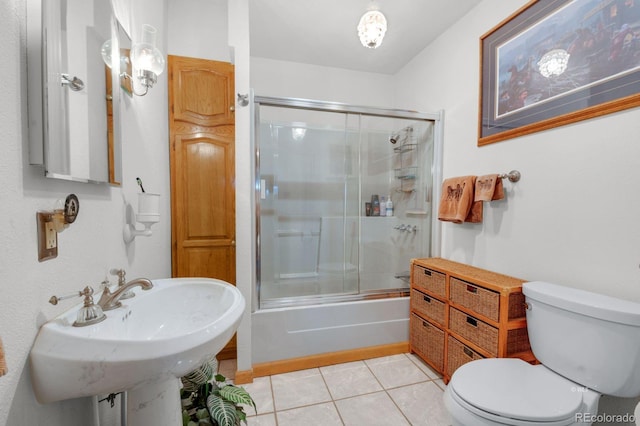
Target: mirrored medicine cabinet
(74,90)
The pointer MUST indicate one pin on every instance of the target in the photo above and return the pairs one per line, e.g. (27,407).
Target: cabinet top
(472,274)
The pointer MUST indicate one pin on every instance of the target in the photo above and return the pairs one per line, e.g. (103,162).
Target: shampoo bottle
(389,209)
(375,205)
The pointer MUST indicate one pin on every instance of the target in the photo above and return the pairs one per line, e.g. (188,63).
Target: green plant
(209,400)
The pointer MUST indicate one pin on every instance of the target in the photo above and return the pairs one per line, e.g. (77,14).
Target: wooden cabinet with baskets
(460,313)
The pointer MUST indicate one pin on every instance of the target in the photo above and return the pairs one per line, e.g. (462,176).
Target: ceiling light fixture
(371,29)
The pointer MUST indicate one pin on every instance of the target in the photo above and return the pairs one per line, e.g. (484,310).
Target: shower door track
(338,107)
(344,108)
(323,299)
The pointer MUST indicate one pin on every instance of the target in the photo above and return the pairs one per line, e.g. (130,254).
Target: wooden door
(202,134)
(111,162)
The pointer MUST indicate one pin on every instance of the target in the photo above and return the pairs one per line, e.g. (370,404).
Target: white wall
(270,77)
(89,247)
(573,218)
(198,29)
(238,12)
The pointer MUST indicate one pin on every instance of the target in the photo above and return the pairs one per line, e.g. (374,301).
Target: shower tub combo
(332,271)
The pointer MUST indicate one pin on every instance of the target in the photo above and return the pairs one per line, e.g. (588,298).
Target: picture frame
(555,62)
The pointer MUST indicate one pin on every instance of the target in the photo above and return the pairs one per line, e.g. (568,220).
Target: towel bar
(513,176)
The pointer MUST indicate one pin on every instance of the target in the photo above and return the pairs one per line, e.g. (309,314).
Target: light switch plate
(47,237)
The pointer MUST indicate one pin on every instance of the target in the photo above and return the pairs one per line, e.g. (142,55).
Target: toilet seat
(509,389)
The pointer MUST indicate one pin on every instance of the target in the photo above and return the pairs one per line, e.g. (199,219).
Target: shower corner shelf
(405,191)
(417,212)
(406,173)
(407,147)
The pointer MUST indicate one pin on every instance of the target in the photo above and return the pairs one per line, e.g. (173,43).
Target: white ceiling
(323,32)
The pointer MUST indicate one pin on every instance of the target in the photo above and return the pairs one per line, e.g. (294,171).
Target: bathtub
(294,332)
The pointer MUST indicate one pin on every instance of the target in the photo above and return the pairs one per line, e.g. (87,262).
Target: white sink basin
(158,336)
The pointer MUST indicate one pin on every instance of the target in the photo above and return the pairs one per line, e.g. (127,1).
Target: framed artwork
(555,62)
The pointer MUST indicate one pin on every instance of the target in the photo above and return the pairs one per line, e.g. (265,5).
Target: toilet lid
(512,388)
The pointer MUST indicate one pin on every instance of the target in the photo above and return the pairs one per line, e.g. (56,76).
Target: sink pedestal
(155,404)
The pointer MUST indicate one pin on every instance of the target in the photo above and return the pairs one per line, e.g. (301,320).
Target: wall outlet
(47,237)
(50,236)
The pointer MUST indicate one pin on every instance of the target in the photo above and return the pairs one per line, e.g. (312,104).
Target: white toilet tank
(589,338)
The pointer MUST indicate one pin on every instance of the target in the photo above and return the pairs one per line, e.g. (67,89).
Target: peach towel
(3,363)
(488,188)
(457,202)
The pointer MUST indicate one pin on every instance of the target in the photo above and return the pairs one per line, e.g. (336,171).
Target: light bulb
(372,28)
(146,57)
(106,53)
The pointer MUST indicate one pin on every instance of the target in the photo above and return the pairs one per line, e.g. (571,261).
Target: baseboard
(242,377)
(320,360)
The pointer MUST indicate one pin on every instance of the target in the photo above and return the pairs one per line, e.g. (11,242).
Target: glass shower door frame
(323,106)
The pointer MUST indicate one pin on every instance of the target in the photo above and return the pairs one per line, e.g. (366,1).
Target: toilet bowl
(519,394)
(571,332)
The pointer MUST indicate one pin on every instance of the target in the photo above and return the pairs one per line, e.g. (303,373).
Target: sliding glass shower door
(308,224)
(318,239)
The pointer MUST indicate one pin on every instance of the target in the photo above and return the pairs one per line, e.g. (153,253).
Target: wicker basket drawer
(474,330)
(485,335)
(483,301)
(428,341)
(431,281)
(428,307)
(459,354)
(478,299)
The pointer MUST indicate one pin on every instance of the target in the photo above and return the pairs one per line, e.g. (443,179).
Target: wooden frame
(602,74)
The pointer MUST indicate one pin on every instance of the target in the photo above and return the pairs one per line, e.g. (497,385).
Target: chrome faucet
(110,300)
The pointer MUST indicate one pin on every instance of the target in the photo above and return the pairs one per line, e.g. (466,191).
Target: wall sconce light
(147,60)
(148,214)
(106,51)
(371,29)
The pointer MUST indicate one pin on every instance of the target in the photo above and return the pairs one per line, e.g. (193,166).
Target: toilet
(588,345)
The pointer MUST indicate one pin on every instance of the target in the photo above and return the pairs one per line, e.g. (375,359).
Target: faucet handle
(90,313)
(105,284)
(87,291)
(120,273)
(121,282)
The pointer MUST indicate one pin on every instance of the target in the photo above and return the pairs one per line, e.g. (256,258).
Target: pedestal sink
(143,347)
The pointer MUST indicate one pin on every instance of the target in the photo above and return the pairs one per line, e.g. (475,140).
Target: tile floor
(394,390)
